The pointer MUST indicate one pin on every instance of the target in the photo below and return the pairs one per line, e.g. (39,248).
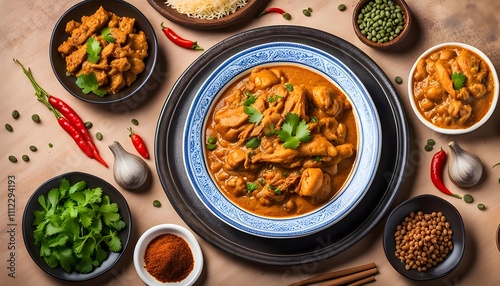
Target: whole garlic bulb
(129,170)
(465,170)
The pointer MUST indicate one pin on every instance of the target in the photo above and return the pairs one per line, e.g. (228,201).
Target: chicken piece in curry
(453,87)
(122,49)
(281,141)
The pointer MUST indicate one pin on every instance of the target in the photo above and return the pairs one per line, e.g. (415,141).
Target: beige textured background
(25,31)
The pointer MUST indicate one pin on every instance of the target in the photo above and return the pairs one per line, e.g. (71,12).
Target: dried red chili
(437,165)
(138,144)
(181,42)
(168,258)
(276,10)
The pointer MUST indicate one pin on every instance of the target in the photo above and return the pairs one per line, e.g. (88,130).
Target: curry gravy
(271,180)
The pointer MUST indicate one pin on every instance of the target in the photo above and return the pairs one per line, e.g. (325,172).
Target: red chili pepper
(138,144)
(68,119)
(73,132)
(437,164)
(77,122)
(172,36)
(276,10)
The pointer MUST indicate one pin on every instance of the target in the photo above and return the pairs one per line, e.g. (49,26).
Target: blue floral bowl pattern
(368,149)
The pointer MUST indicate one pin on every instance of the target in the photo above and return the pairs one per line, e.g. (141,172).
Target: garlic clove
(129,170)
(465,169)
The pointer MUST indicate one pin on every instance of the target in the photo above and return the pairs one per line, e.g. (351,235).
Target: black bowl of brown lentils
(382,24)
(424,238)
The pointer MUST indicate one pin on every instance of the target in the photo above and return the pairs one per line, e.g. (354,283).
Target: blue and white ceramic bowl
(368,149)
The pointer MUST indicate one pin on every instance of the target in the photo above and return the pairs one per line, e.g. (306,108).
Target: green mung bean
(398,79)
(88,124)
(51,145)
(33,148)
(98,136)
(15,114)
(135,121)
(384,21)
(306,13)
(431,142)
(9,127)
(26,158)
(428,148)
(342,7)
(481,206)
(13,159)
(468,198)
(35,117)
(156,203)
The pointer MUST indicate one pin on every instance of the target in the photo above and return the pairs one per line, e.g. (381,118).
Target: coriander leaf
(118,224)
(101,254)
(252,187)
(106,35)
(64,187)
(113,241)
(250,98)
(88,83)
(77,187)
(458,80)
(254,116)
(85,265)
(66,258)
(253,143)
(52,261)
(292,132)
(289,86)
(93,50)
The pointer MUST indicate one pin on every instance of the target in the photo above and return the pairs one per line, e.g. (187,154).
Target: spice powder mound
(168,258)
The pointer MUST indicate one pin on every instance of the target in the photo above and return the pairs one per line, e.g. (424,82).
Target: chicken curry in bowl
(281,141)
(453,86)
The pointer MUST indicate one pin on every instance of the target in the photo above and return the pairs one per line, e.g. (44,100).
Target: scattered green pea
(33,148)
(9,127)
(481,206)
(431,142)
(15,114)
(468,198)
(398,80)
(211,147)
(211,140)
(35,117)
(428,148)
(342,7)
(98,136)
(306,13)
(135,121)
(13,159)
(88,124)
(156,203)
(26,158)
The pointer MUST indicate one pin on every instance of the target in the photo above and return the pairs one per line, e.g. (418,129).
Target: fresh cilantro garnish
(88,83)
(262,181)
(252,187)
(93,50)
(76,227)
(253,143)
(458,80)
(250,98)
(106,35)
(314,119)
(274,98)
(289,86)
(254,116)
(317,158)
(293,132)
(271,131)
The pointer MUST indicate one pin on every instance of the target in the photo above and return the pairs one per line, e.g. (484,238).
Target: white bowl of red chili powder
(168,254)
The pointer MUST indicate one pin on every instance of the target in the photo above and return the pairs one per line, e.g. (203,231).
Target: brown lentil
(423,240)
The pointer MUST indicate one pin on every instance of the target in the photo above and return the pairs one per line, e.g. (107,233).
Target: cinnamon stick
(351,277)
(363,281)
(335,274)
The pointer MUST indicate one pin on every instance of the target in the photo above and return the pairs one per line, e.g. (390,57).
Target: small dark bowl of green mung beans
(382,24)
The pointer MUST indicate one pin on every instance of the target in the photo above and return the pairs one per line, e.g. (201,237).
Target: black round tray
(291,251)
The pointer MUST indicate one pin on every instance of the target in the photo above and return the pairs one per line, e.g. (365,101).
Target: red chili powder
(168,258)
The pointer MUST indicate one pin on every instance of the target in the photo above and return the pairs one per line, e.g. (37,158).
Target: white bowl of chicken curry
(453,88)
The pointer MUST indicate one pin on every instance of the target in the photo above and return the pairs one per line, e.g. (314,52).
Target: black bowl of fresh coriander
(76,226)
